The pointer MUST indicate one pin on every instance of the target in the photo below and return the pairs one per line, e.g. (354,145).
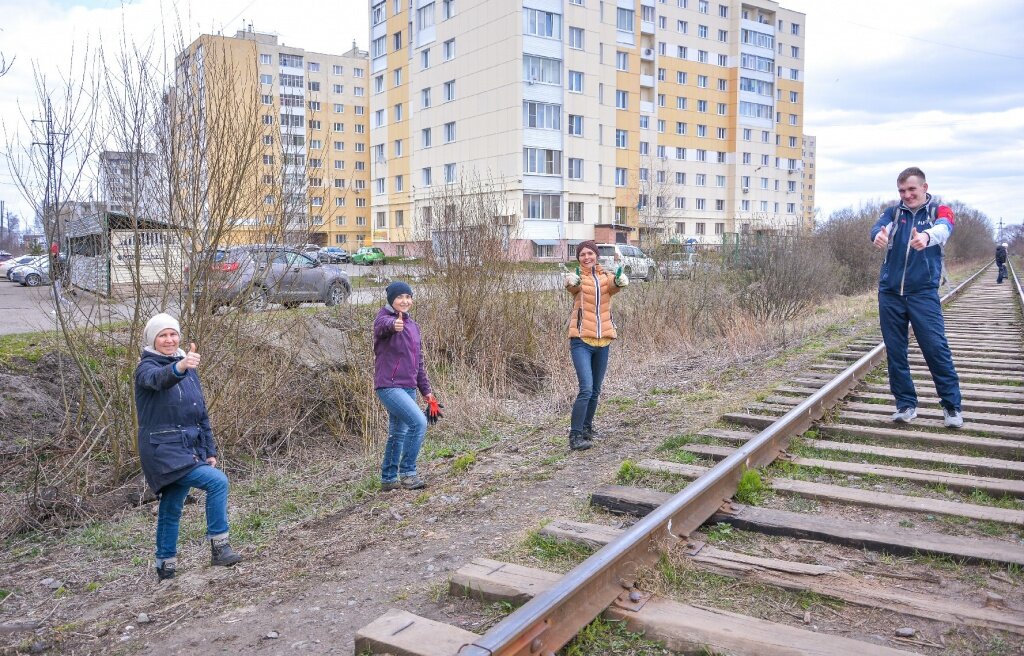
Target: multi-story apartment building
(810,149)
(636,120)
(312,173)
(130,183)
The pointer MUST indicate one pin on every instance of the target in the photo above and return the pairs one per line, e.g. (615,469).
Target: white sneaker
(905,416)
(953,419)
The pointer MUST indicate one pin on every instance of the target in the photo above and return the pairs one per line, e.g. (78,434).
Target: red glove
(433,410)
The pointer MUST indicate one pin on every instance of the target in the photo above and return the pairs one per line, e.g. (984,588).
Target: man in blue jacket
(913,234)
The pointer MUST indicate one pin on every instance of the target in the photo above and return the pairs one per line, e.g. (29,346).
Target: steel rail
(1016,282)
(549,620)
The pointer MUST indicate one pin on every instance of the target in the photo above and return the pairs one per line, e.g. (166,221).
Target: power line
(944,44)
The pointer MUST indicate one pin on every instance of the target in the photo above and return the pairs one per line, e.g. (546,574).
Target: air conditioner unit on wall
(746,190)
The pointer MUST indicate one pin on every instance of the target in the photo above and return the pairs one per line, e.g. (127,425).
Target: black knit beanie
(396,289)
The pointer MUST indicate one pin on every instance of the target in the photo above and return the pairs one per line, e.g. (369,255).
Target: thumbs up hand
(882,238)
(399,323)
(919,240)
(192,358)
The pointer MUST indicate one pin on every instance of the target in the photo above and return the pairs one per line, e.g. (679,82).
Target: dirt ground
(308,585)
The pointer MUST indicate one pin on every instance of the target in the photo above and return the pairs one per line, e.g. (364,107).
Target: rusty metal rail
(552,618)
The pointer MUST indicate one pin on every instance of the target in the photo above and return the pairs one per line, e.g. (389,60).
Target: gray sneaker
(387,486)
(413,482)
(953,418)
(905,416)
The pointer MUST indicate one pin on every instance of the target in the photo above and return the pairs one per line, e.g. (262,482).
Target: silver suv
(256,275)
(634,261)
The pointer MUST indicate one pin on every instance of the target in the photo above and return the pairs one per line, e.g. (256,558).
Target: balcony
(646,27)
(647,80)
(646,107)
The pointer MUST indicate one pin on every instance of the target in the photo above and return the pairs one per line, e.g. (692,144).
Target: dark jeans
(591,362)
(1002,274)
(172,499)
(923,311)
(407,426)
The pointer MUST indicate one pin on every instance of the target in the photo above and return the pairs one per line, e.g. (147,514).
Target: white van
(634,261)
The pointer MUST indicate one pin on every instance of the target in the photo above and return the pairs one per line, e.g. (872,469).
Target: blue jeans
(172,500)
(591,363)
(923,311)
(407,426)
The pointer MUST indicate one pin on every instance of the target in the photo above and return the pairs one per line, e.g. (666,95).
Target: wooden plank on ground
(401,633)
(1008,448)
(682,627)
(897,540)
(988,466)
(969,482)
(492,580)
(969,428)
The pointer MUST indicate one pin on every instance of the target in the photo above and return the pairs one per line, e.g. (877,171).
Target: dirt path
(315,584)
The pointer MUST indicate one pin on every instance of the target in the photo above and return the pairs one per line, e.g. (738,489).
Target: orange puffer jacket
(592,307)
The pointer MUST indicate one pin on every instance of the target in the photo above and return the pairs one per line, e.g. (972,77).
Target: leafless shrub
(972,235)
(782,276)
(845,237)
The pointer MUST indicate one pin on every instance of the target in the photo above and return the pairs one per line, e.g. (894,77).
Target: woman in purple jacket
(398,372)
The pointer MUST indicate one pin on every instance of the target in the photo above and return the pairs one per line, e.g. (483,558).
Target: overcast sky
(890,83)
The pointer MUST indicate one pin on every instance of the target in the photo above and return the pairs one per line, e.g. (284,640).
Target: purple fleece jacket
(398,358)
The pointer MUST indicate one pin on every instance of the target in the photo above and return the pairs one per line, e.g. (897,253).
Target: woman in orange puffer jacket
(591,331)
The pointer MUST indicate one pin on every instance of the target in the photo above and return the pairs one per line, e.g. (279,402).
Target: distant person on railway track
(397,373)
(591,332)
(176,443)
(1001,262)
(912,234)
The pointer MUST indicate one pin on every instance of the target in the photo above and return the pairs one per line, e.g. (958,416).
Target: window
(575,211)
(542,161)
(377,13)
(542,23)
(624,20)
(425,16)
(681,155)
(398,147)
(702,81)
(543,70)
(398,112)
(293,61)
(620,177)
(314,67)
(621,99)
(449,132)
(702,155)
(575,125)
(399,183)
(397,78)
(540,115)
(792,142)
(701,204)
(700,225)
(575,81)
(756,63)
(702,31)
(794,52)
(575,168)
(378,118)
(339,108)
(661,100)
(702,106)
(425,137)
(702,130)
(792,119)
(449,50)
(425,97)
(426,177)
(680,127)
(795,29)
(267,99)
(680,52)
(397,40)
(542,206)
(339,145)
(337,70)
(379,47)
(682,26)
(621,61)
(337,88)
(576,38)
(378,83)
(399,218)
(720,133)
(702,6)
(680,102)
(449,90)
(621,139)
(266,79)
(425,58)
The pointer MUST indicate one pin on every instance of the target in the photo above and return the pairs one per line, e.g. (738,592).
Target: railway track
(917,530)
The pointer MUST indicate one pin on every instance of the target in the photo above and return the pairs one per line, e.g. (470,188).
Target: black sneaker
(590,434)
(577,442)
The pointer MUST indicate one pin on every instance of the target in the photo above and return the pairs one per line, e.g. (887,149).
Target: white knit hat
(159,322)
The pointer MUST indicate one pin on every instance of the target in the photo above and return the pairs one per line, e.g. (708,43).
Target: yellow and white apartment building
(810,151)
(681,119)
(312,177)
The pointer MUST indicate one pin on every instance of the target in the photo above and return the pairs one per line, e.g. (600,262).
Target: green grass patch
(26,346)
(751,489)
(602,637)
(720,532)
(463,462)
(629,473)
(552,551)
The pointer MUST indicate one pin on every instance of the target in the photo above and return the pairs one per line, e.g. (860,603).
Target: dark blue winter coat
(904,270)
(174,428)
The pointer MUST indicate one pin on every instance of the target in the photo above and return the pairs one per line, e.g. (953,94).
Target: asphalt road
(25,309)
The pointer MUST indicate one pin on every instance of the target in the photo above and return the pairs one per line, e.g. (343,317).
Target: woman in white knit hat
(176,442)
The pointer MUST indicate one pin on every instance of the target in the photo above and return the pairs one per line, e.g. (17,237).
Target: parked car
(635,263)
(369,255)
(5,268)
(253,276)
(35,274)
(4,256)
(14,273)
(332,255)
